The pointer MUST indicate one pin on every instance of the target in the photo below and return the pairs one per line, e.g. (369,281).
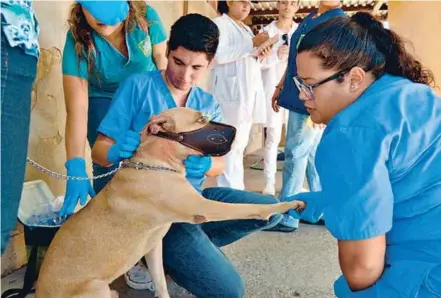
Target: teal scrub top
(146,94)
(379,163)
(112,67)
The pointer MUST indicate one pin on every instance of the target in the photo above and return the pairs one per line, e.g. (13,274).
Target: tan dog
(131,215)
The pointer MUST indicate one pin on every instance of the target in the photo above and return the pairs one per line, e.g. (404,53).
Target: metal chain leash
(56,175)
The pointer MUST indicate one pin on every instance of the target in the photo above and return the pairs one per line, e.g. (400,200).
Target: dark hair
(195,33)
(222,6)
(361,40)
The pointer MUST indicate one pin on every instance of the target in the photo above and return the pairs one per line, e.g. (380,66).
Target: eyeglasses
(308,89)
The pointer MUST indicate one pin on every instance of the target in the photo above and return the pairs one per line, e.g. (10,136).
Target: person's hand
(260,38)
(275,99)
(283,52)
(76,189)
(313,211)
(125,147)
(265,52)
(197,166)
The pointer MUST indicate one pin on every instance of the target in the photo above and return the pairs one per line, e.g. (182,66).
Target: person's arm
(362,261)
(76,99)
(158,37)
(226,52)
(117,122)
(271,59)
(76,96)
(159,55)
(358,199)
(100,150)
(275,98)
(217,166)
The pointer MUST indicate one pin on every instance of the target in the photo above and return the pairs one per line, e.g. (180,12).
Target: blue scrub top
(146,94)
(112,67)
(289,96)
(379,163)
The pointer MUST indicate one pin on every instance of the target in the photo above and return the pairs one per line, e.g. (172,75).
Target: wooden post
(185,12)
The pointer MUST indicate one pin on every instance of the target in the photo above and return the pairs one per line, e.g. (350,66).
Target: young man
(302,136)
(273,68)
(191,252)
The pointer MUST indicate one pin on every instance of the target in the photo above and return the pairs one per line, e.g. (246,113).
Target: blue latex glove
(76,189)
(197,166)
(125,147)
(313,211)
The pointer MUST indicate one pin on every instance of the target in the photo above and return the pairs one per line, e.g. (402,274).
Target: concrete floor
(299,264)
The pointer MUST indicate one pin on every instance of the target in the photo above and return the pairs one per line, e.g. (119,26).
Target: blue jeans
(18,75)
(300,148)
(191,252)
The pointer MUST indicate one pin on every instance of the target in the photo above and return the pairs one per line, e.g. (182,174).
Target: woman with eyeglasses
(379,159)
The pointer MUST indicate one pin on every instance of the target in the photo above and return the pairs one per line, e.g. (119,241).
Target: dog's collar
(141,166)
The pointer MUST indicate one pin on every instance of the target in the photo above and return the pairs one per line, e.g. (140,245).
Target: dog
(129,217)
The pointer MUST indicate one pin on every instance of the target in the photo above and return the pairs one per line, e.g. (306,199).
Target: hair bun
(367,20)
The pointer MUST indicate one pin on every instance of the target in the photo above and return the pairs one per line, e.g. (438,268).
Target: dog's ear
(158,122)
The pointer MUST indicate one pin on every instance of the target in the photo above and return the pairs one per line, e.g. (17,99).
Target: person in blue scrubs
(379,159)
(191,253)
(302,135)
(107,42)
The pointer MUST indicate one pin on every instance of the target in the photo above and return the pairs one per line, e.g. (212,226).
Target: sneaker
(138,278)
(269,189)
(286,225)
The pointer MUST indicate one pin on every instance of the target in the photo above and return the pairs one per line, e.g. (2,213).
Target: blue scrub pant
(416,280)
(18,71)
(300,148)
(191,252)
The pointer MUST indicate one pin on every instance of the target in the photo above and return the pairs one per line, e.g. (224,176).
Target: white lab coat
(236,84)
(235,80)
(272,71)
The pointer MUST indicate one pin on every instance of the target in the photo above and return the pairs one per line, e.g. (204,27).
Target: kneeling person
(190,257)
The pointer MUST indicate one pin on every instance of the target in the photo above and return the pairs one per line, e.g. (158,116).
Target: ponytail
(362,41)
(398,61)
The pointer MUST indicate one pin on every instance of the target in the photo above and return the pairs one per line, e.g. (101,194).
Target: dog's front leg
(193,208)
(156,270)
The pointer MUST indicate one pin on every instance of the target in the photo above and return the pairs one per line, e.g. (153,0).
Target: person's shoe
(285,225)
(138,278)
(269,189)
(321,222)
